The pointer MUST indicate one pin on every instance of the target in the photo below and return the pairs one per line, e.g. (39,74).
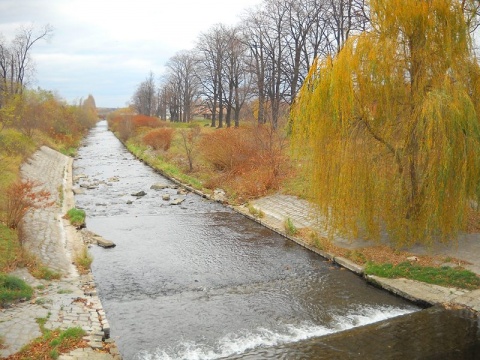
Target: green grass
(290,228)
(444,276)
(13,289)
(76,217)
(68,151)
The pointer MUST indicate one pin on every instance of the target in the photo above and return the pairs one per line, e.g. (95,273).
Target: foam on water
(239,343)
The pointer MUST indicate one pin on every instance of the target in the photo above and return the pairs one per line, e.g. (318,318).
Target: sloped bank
(71,301)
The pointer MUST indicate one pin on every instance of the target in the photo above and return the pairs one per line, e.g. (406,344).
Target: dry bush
(125,128)
(21,197)
(159,139)
(146,121)
(228,150)
(249,160)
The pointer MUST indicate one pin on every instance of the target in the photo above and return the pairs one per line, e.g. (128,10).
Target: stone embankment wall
(71,301)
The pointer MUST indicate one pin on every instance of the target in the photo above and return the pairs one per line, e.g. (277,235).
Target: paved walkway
(71,301)
(278,208)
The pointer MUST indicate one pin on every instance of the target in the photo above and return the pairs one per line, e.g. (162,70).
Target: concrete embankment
(71,301)
(278,208)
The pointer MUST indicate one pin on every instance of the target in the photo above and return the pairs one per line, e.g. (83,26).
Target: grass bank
(442,275)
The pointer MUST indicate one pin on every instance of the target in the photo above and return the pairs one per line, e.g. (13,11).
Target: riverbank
(277,209)
(71,301)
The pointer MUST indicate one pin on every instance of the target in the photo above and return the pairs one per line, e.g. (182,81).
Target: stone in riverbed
(139,194)
(104,242)
(166,197)
(177,201)
(158,186)
(78,191)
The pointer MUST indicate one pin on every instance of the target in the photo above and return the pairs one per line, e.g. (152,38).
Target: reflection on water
(198,281)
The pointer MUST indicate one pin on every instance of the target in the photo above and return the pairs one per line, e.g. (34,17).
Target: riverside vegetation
(249,162)
(22,131)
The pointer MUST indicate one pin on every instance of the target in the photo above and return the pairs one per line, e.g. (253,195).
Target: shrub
(159,139)
(125,128)
(250,160)
(190,139)
(139,121)
(21,197)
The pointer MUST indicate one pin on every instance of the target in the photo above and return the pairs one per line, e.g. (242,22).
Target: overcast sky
(107,47)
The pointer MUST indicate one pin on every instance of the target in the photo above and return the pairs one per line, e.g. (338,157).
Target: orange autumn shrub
(248,160)
(159,139)
(21,197)
(139,121)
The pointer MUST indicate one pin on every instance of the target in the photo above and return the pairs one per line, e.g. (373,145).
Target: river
(199,281)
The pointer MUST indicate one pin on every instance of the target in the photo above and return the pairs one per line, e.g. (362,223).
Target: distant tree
(89,104)
(15,64)
(390,126)
(184,83)
(145,97)
(211,47)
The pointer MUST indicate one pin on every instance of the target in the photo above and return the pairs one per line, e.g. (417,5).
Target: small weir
(191,279)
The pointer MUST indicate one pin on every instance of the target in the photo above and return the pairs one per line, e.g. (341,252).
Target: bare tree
(211,49)
(303,18)
(15,61)
(346,17)
(184,82)
(236,75)
(145,98)
(255,33)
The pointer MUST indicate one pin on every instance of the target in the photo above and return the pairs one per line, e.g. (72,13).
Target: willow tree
(389,127)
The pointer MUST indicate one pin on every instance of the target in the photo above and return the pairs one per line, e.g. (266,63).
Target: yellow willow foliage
(388,130)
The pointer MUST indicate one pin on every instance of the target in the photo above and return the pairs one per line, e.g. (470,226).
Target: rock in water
(177,201)
(158,186)
(139,194)
(78,191)
(104,242)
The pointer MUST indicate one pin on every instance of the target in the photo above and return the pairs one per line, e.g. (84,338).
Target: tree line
(263,60)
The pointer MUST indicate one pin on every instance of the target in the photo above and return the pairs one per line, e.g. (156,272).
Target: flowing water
(199,281)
